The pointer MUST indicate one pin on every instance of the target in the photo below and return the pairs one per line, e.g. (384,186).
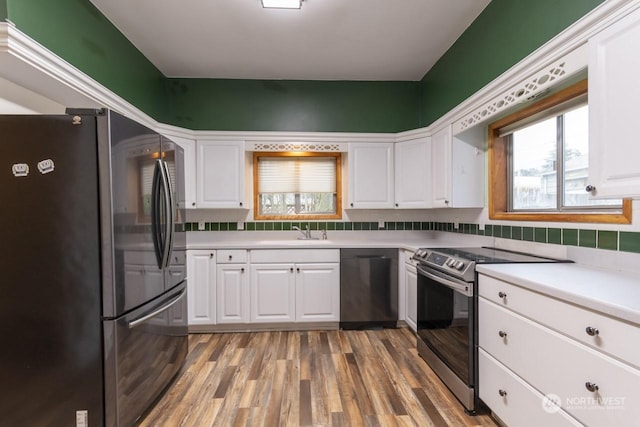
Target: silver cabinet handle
(502,392)
(502,295)
(592,387)
(502,334)
(591,331)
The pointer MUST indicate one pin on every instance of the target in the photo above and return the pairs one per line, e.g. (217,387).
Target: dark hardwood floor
(312,378)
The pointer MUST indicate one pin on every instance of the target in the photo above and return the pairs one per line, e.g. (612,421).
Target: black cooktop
(487,255)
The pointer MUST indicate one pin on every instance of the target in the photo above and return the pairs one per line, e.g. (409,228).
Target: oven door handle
(460,286)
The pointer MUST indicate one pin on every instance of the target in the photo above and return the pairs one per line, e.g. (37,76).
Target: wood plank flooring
(310,378)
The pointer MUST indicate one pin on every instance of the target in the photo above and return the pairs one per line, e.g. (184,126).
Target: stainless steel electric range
(448,315)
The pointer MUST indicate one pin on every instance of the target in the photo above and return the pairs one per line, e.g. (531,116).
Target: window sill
(603,218)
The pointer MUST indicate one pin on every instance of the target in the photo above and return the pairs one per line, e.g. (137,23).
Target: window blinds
(297,174)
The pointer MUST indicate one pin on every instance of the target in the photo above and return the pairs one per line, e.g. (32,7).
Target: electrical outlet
(201,225)
(456,223)
(240,225)
(481,226)
(380,224)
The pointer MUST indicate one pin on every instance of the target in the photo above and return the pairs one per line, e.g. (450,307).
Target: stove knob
(451,263)
(459,265)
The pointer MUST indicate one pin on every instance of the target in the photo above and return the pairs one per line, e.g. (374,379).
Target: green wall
(76,31)
(286,105)
(3,10)
(505,32)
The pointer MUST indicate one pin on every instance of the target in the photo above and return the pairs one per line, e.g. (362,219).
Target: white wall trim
(27,63)
(561,45)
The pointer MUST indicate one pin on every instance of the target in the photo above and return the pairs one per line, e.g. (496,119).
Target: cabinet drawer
(521,405)
(235,256)
(553,363)
(295,255)
(613,335)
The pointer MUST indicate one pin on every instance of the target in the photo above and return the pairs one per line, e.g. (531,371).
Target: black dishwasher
(368,288)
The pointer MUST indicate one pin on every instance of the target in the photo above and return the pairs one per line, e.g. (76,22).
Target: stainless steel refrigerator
(93,308)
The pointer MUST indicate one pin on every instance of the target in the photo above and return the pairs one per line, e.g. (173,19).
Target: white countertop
(610,292)
(410,240)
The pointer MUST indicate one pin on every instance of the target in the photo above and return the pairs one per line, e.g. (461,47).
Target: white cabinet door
(370,176)
(220,174)
(273,293)
(233,296)
(413,174)
(614,67)
(411,283)
(317,292)
(189,162)
(201,283)
(458,165)
(441,168)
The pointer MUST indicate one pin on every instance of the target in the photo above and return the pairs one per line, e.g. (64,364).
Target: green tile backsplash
(603,239)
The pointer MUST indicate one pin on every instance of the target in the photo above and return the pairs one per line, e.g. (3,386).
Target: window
(538,159)
(297,185)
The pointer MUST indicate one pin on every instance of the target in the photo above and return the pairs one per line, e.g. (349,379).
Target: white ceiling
(325,40)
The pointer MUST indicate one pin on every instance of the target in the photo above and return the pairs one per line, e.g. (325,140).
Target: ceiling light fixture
(282,4)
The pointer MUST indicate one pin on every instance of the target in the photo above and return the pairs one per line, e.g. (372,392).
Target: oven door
(446,325)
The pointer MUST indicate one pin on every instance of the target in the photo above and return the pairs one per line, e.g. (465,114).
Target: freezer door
(144,351)
(51,357)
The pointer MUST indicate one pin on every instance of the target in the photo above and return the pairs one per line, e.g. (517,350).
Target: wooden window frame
(256,189)
(498,169)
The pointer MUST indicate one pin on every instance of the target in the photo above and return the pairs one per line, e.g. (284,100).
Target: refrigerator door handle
(154,313)
(168,208)
(156,232)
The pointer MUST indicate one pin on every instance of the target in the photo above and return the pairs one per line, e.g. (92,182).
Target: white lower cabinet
(514,401)
(272,293)
(532,348)
(411,286)
(232,302)
(305,289)
(201,285)
(232,286)
(318,292)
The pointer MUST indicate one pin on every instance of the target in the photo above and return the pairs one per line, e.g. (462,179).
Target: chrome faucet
(306,235)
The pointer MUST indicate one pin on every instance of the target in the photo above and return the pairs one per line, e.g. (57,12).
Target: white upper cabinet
(370,176)
(413,174)
(220,174)
(457,168)
(614,150)
(189,152)
(441,142)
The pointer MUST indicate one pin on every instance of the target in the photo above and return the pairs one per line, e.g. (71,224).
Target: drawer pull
(591,331)
(242,270)
(591,386)
(230,257)
(502,392)
(502,295)
(502,334)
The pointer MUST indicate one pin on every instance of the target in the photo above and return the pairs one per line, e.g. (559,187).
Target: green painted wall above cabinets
(503,34)
(3,10)
(77,32)
(287,105)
